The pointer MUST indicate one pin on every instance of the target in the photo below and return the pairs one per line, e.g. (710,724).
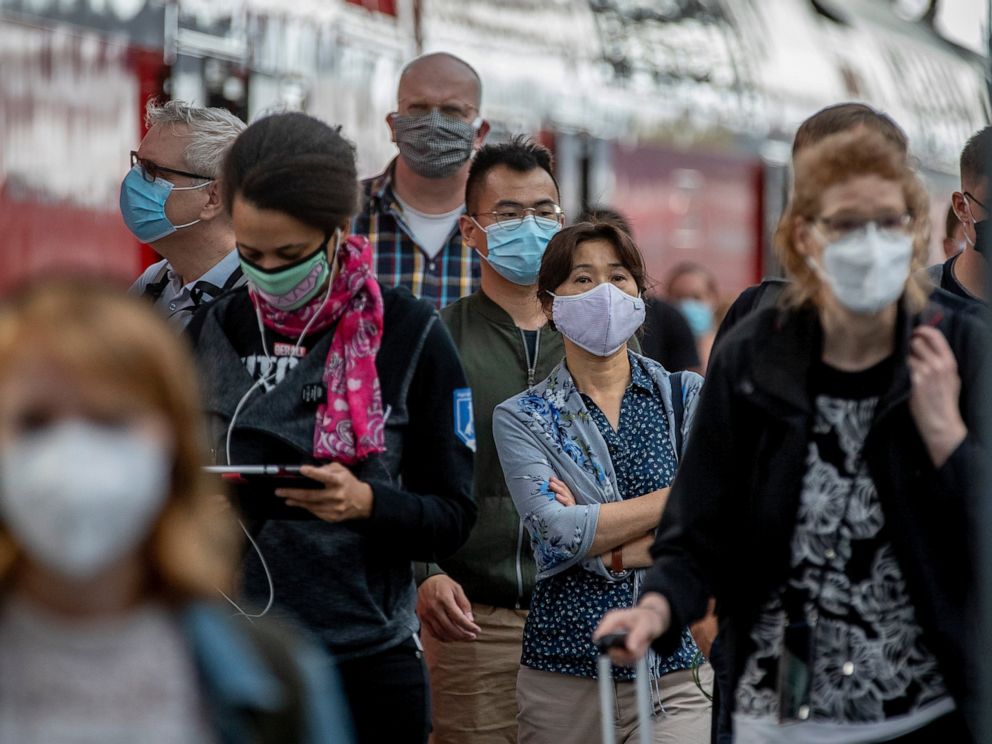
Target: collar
(639,376)
(788,343)
(216,274)
(485,306)
(381,187)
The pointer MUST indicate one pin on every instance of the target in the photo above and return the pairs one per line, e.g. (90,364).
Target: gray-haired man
(172,199)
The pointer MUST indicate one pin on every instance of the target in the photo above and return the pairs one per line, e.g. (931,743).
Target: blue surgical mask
(698,314)
(515,254)
(143,205)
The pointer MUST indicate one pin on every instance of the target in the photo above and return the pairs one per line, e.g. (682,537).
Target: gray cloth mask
(434,145)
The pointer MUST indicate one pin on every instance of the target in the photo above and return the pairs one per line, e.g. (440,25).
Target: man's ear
(480,136)
(470,232)
(959,203)
(215,201)
(391,125)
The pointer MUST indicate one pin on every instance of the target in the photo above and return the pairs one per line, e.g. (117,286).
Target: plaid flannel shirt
(400,262)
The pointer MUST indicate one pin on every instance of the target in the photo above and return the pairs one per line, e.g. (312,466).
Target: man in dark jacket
(473,605)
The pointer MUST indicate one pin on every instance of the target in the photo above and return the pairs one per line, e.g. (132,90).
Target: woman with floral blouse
(589,455)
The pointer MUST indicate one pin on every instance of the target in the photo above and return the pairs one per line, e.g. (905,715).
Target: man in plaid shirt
(410,211)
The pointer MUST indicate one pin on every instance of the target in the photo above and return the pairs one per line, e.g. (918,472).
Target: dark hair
(556,266)
(842,117)
(951,222)
(295,164)
(608,215)
(975,156)
(520,154)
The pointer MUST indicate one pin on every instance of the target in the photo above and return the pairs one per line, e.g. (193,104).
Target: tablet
(252,489)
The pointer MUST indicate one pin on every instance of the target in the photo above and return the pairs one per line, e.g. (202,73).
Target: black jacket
(351,583)
(727,528)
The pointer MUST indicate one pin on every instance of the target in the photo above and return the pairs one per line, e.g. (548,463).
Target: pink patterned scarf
(350,424)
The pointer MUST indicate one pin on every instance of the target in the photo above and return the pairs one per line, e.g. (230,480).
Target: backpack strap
(768,293)
(678,408)
(154,289)
(202,288)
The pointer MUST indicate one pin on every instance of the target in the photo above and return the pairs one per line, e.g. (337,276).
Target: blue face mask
(143,205)
(698,314)
(515,254)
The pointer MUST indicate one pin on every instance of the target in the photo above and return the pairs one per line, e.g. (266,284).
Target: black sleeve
(968,465)
(431,515)
(667,337)
(688,543)
(678,346)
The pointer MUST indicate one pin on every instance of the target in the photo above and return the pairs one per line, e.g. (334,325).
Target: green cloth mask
(292,286)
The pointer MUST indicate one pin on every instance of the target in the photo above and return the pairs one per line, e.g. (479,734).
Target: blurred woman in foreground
(107,555)
(826,494)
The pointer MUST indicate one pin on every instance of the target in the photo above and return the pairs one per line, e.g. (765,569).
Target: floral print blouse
(553,429)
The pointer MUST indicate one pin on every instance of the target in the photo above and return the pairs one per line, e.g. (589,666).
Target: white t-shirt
(431,231)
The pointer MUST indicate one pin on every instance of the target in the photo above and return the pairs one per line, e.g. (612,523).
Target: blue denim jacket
(239,685)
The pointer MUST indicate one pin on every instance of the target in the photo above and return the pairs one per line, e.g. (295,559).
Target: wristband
(616,561)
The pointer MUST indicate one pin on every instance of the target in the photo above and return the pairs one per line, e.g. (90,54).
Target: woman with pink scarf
(313,364)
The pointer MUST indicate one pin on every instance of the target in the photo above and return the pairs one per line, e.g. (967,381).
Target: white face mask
(78,496)
(600,320)
(866,270)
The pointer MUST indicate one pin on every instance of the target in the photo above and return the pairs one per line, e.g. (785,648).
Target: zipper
(531,363)
(531,370)
(520,573)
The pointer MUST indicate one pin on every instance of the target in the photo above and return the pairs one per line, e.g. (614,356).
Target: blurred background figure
(172,198)
(666,335)
(410,211)
(964,274)
(692,288)
(109,557)
(845,565)
(954,241)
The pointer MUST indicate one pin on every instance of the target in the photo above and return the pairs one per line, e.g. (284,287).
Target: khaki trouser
(473,683)
(558,708)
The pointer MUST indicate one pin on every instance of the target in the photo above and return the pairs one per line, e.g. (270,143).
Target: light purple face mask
(600,320)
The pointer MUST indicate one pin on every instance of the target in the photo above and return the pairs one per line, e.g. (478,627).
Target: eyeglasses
(451,110)
(971,197)
(150,171)
(842,227)
(548,216)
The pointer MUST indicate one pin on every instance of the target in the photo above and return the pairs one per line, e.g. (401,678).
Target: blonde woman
(824,498)
(108,558)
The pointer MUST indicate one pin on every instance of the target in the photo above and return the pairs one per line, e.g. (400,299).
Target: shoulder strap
(768,294)
(201,288)
(678,408)
(155,288)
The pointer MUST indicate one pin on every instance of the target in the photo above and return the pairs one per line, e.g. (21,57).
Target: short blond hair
(101,335)
(835,160)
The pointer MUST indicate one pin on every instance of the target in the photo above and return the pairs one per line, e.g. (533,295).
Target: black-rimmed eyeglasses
(150,170)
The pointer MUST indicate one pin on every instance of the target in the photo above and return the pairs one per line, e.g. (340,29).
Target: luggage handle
(607,701)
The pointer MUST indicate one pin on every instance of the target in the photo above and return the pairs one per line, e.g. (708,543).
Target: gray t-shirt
(108,681)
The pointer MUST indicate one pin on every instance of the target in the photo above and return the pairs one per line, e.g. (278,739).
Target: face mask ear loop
(967,201)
